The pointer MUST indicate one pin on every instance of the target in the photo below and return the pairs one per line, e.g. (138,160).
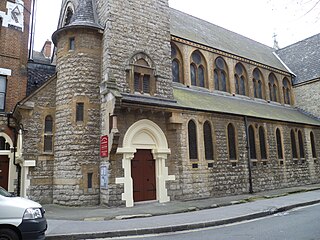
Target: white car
(20,218)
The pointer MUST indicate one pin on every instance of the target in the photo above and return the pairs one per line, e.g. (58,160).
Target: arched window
(197,69)
(286,91)
(252,143)
(3,144)
(240,78)
(48,134)
(301,145)
(258,84)
(192,136)
(232,142)
(220,75)
(293,145)
(313,145)
(279,144)
(141,76)
(208,143)
(177,68)
(262,141)
(68,16)
(273,88)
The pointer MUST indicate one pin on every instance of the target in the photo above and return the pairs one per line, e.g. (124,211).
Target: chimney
(46,49)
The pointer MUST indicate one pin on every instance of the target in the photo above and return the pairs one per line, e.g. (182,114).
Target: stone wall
(77,142)
(202,178)
(33,113)
(133,27)
(307,97)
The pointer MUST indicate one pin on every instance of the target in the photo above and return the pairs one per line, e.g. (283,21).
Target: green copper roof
(212,102)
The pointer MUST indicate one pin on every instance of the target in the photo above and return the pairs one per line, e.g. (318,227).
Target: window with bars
(48,134)
(192,137)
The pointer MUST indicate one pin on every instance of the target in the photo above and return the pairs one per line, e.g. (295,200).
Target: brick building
(14,35)
(149,103)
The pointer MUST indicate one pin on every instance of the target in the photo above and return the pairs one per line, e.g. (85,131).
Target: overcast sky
(256,19)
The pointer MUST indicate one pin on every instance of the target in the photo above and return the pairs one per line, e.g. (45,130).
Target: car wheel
(8,234)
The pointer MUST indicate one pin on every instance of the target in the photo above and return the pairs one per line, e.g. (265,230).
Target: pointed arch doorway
(144,145)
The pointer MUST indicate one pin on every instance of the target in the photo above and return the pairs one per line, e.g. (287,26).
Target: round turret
(78,42)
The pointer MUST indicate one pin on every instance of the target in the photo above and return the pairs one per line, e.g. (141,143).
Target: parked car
(20,218)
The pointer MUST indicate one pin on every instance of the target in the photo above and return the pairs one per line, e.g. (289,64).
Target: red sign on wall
(104,146)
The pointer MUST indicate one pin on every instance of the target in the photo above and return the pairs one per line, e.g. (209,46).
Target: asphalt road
(298,224)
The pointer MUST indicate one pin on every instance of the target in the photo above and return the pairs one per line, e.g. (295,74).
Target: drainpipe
(248,154)
(32,31)
(14,129)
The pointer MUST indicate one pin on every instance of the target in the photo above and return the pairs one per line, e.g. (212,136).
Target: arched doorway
(144,144)
(7,168)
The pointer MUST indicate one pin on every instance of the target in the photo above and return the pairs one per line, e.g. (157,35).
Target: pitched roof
(39,70)
(194,29)
(206,101)
(303,58)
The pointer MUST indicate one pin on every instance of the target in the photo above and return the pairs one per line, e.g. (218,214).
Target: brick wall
(14,56)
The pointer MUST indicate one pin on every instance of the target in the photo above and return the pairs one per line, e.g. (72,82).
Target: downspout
(248,154)
(32,31)
(14,153)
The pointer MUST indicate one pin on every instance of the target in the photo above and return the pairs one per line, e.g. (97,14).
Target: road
(298,224)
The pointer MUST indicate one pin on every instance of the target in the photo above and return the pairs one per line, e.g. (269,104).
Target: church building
(151,104)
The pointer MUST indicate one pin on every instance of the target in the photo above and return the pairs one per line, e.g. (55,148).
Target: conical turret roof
(85,14)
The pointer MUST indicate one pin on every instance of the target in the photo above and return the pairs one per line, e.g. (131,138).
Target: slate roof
(303,58)
(85,15)
(39,70)
(201,100)
(197,30)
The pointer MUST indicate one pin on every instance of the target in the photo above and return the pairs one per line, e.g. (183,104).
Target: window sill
(47,153)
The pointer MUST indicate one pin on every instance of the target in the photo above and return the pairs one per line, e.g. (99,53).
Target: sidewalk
(153,217)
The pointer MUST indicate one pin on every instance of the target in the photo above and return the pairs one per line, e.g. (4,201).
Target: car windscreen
(4,193)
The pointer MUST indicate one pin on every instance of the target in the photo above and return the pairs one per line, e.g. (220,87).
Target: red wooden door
(143,176)
(4,171)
